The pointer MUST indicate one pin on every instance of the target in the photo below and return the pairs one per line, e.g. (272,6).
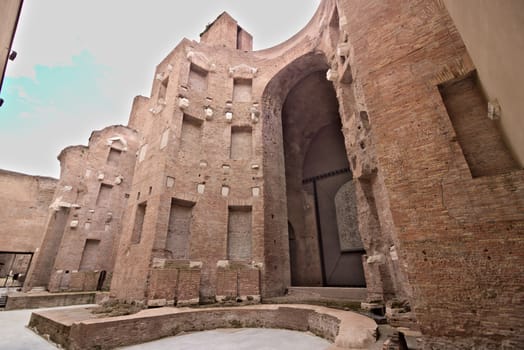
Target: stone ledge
(335,293)
(16,301)
(347,330)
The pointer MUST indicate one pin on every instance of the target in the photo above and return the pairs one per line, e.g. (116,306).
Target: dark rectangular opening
(139,222)
(104,196)
(13,268)
(479,137)
(162,90)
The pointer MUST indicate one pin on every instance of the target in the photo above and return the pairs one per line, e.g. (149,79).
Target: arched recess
(299,105)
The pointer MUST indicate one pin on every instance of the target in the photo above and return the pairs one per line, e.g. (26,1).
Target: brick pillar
(188,288)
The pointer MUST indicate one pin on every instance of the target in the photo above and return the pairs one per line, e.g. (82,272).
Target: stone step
(38,290)
(333,293)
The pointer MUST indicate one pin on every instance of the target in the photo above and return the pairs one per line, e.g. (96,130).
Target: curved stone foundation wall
(345,329)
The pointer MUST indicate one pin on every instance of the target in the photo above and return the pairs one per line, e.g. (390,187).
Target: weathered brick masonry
(84,220)
(461,235)
(358,152)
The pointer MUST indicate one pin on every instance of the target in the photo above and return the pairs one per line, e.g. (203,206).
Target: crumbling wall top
(225,31)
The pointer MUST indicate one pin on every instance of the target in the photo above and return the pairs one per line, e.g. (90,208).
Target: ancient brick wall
(204,207)
(200,149)
(24,206)
(84,219)
(211,138)
(461,237)
(206,142)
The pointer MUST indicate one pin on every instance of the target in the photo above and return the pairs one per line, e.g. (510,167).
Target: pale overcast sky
(80,63)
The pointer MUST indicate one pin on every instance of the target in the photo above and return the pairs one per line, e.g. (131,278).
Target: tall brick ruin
(358,153)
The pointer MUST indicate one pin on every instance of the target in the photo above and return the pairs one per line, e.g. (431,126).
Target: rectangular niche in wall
(139,222)
(90,255)
(478,136)
(142,153)
(114,156)
(239,233)
(242,90)
(104,195)
(197,78)
(178,232)
(191,134)
(162,90)
(50,246)
(241,142)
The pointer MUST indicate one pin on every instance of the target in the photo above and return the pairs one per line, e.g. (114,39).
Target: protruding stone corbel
(183,102)
(343,49)
(379,259)
(494,110)
(254,113)
(161,76)
(195,264)
(118,180)
(200,60)
(159,107)
(332,75)
(229,111)
(393,253)
(243,71)
(208,112)
(117,139)
(223,264)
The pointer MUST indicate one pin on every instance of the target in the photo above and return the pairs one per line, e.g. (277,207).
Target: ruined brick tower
(360,153)
(243,183)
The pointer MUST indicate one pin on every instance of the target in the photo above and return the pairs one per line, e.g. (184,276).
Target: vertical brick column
(238,282)
(162,287)
(227,283)
(188,288)
(249,284)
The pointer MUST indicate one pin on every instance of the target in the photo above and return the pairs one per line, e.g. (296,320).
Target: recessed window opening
(89,258)
(163,90)
(479,137)
(191,134)
(113,157)
(239,233)
(241,142)
(242,90)
(197,78)
(139,223)
(239,38)
(179,228)
(104,195)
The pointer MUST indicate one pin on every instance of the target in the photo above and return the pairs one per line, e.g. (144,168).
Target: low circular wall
(344,328)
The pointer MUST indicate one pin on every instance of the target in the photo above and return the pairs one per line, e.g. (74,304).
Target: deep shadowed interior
(316,169)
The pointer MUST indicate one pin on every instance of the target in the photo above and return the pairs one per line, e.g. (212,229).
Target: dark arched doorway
(317,168)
